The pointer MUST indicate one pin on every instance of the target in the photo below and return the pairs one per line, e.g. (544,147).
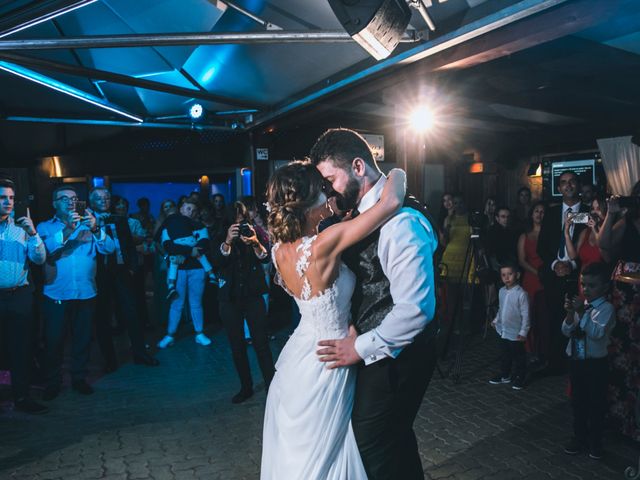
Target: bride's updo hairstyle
(291,192)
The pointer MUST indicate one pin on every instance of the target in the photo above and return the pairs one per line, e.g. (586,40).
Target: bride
(307,426)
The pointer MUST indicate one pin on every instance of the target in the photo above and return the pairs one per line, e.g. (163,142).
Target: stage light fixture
(421,119)
(196,111)
(377,26)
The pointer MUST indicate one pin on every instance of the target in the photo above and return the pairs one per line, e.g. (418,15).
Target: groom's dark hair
(341,146)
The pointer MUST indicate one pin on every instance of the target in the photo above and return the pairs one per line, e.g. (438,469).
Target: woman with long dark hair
(537,343)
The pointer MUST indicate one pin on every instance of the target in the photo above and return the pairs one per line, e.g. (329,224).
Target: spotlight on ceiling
(376,25)
(421,119)
(196,111)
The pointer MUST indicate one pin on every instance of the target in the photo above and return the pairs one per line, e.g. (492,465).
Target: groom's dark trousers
(388,395)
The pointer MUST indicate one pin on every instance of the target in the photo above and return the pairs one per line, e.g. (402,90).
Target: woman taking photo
(239,260)
(620,240)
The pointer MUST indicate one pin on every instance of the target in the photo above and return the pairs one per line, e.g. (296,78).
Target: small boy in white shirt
(512,324)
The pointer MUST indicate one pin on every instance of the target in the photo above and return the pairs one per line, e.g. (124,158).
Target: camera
(246,230)
(629,202)
(581,217)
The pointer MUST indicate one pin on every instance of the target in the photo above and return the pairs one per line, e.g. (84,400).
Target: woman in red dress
(537,343)
(587,250)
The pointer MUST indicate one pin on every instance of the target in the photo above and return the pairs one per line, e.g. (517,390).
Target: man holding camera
(19,243)
(559,274)
(115,284)
(72,241)
(239,259)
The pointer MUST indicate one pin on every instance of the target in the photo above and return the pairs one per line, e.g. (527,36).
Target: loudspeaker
(377,25)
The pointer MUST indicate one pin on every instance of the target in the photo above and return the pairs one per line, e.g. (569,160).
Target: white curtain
(621,162)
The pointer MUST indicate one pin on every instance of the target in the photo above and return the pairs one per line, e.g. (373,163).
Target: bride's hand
(396,188)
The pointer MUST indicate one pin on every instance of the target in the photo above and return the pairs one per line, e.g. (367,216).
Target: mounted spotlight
(196,111)
(377,25)
(421,119)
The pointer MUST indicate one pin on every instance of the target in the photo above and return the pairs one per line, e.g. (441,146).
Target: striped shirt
(16,248)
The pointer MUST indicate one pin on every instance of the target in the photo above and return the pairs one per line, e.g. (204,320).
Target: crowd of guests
(565,281)
(87,269)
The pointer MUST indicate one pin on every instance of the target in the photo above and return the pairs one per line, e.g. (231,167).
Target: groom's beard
(348,200)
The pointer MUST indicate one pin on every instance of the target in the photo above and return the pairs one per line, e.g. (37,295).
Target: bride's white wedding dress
(307,426)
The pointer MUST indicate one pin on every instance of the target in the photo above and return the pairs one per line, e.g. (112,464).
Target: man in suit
(393,308)
(559,274)
(115,285)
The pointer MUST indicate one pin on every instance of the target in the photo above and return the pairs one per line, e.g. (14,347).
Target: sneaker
(596,453)
(27,405)
(499,380)
(574,447)
(167,341)
(203,340)
(171,294)
(518,384)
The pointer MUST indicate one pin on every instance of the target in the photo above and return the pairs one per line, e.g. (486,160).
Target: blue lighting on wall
(208,75)
(97,182)
(246,182)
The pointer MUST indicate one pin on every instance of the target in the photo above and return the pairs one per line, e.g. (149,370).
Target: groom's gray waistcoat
(371,300)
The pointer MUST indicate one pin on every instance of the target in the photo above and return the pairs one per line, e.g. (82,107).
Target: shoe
(596,453)
(241,396)
(27,405)
(167,341)
(518,384)
(574,447)
(203,340)
(171,294)
(145,359)
(50,393)
(499,380)
(82,387)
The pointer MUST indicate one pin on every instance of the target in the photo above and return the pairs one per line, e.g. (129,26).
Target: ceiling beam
(183,39)
(523,25)
(115,123)
(53,84)
(118,78)
(44,10)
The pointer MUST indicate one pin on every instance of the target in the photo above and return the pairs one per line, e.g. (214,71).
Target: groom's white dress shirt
(405,249)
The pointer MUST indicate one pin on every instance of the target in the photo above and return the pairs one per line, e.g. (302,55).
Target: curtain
(621,162)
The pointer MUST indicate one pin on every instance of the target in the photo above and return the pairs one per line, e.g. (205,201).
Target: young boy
(512,324)
(588,325)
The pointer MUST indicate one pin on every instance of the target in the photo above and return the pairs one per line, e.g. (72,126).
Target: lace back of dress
(303,264)
(301,267)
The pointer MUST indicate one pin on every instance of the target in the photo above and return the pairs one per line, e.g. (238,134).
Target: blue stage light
(196,111)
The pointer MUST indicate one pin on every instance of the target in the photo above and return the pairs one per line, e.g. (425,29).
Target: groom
(393,342)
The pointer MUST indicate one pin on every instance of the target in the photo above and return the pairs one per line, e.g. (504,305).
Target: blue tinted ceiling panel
(153,16)
(99,19)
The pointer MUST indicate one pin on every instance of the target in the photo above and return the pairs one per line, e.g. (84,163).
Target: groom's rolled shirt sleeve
(405,248)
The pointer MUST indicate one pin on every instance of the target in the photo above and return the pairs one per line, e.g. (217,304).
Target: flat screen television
(584,168)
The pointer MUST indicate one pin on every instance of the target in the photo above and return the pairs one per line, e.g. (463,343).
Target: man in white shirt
(559,274)
(393,332)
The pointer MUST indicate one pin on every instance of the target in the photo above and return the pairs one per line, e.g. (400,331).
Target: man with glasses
(559,274)
(115,284)
(72,241)
(19,244)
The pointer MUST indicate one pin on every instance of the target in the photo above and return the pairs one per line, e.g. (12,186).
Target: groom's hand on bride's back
(340,352)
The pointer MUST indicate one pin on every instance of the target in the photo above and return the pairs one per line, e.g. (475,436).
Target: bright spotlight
(196,111)
(421,119)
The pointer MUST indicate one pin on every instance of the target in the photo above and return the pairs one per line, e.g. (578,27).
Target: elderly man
(115,284)
(19,242)
(72,241)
